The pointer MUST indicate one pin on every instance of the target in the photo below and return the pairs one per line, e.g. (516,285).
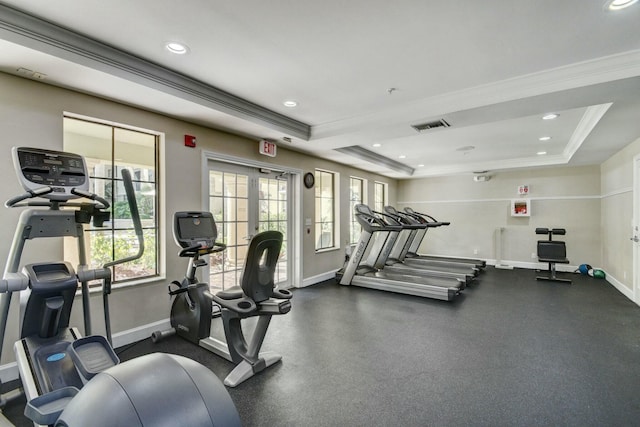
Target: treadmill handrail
(422,217)
(386,217)
(406,220)
(371,223)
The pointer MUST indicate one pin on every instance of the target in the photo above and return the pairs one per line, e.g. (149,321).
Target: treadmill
(412,252)
(400,253)
(391,259)
(372,242)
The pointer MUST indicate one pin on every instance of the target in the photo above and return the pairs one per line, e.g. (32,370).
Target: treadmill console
(62,172)
(194,229)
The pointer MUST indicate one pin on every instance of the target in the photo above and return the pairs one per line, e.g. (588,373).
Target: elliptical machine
(65,376)
(193,303)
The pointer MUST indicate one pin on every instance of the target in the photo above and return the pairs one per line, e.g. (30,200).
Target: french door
(635,236)
(245,201)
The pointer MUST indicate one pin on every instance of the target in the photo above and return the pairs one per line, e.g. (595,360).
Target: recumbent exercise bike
(257,296)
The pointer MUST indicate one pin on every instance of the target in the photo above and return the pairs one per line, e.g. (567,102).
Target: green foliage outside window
(102,252)
(146,207)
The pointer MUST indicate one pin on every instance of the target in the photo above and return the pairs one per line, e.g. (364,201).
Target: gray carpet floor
(511,351)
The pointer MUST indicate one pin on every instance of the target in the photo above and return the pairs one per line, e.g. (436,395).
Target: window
(107,150)
(357,192)
(326,206)
(379,196)
(273,215)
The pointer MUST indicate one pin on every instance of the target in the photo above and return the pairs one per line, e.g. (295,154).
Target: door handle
(634,239)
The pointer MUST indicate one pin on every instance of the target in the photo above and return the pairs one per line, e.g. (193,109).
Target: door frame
(635,228)
(295,219)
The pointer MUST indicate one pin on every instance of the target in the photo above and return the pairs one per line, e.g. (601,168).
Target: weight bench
(552,252)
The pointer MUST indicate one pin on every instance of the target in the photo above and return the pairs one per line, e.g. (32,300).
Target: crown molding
(586,73)
(43,36)
(376,159)
(587,123)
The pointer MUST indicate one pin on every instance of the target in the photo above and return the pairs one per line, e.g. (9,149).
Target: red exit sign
(267,148)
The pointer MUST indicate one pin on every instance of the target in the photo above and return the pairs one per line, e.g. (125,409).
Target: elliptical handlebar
(14,202)
(135,218)
(28,195)
(103,203)
(137,225)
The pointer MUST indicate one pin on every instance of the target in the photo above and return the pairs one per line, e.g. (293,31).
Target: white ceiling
(490,68)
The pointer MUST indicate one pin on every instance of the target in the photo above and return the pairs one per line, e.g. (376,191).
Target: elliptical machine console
(64,173)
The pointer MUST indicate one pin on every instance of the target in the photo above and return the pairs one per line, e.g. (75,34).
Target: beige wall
(617,216)
(565,197)
(31,115)
(598,227)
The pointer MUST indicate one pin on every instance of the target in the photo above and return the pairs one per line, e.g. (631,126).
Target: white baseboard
(620,286)
(9,372)
(318,278)
(141,332)
(570,269)
(566,268)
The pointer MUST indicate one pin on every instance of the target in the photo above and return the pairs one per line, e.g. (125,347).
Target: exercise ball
(584,268)
(159,390)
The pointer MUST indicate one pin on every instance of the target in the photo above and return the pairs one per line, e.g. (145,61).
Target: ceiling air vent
(442,123)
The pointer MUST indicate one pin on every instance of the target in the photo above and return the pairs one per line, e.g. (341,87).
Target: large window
(325,221)
(107,150)
(357,193)
(379,196)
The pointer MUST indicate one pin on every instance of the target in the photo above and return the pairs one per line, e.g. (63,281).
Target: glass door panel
(245,201)
(229,204)
(272,198)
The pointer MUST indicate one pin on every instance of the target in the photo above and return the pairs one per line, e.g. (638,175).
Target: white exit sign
(267,148)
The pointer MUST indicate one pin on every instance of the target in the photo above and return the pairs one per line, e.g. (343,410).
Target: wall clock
(309,180)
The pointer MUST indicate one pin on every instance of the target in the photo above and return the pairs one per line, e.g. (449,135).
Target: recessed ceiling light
(376,145)
(290,103)
(402,156)
(420,165)
(541,153)
(620,4)
(177,48)
(544,138)
(550,116)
